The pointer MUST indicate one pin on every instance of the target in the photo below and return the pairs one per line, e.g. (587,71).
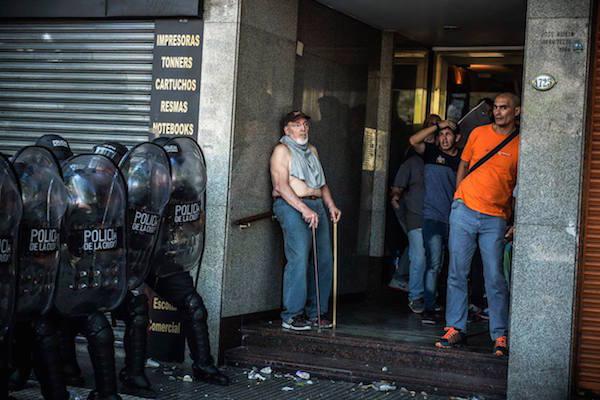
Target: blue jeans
(299,294)
(435,237)
(467,228)
(403,269)
(416,255)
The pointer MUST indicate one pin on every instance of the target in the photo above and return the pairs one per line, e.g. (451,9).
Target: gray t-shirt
(410,178)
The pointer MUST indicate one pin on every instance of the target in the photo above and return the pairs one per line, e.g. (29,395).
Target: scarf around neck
(305,165)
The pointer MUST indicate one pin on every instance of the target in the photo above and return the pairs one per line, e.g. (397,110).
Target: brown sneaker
(500,347)
(452,338)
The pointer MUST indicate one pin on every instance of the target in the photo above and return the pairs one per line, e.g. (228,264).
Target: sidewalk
(170,386)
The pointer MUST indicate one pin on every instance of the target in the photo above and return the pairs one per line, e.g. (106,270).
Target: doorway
(447,82)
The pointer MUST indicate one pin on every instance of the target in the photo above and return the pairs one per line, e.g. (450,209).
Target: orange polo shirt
(489,188)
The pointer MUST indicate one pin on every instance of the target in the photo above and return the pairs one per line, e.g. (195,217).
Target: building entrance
(378,336)
(457,81)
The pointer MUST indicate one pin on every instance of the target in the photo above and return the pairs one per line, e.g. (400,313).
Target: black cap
(291,117)
(113,150)
(57,145)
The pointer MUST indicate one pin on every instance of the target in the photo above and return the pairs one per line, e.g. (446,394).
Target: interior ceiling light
(488,67)
(485,54)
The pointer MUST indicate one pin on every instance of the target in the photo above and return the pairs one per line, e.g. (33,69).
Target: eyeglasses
(305,124)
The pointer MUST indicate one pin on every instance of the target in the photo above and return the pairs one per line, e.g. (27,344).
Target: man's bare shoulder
(313,149)
(281,154)
(281,150)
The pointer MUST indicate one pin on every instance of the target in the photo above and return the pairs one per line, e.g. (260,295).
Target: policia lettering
(42,240)
(184,213)
(95,239)
(145,222)
(99,239)
(5,250)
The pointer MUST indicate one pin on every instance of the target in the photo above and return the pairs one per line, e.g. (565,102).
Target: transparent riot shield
(181,238)
(92,273)
(44,199)
(10,217)
(147,173)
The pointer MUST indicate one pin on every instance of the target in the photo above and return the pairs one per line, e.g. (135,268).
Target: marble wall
(264,92)
(250,78)
(548,202)
(217,96)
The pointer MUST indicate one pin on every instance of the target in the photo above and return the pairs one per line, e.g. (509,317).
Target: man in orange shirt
(480,211)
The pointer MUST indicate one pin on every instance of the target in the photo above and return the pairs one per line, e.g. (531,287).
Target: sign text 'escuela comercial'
(176,70)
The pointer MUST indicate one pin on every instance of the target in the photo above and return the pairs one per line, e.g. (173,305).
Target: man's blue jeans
(435,237)
(467,228)
(416,255)
(299,294)
(403,269)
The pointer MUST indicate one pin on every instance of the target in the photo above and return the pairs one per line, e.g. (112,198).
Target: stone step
(431,381)
(376,351)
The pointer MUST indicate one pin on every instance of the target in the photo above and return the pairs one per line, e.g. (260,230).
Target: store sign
(176,71)
(166,341)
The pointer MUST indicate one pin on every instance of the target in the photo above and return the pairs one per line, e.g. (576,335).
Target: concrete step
(430,380)
(383,352)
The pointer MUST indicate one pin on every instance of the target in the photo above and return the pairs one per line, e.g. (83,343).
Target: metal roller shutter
(587,372)
(86,81)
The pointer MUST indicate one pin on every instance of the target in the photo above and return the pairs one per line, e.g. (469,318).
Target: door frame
(446,56)
(419,58)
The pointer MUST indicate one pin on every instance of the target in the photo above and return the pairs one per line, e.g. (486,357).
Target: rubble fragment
(266,371)
(150,363)
(254,375)
(303,375)
(383,386)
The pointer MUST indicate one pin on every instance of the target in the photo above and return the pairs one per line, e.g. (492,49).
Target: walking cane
(315,263)
(335,273)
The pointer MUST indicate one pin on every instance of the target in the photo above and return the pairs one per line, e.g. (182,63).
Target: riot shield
(92,273)
(44,199)
(147,172)
(181,238)
(10,217)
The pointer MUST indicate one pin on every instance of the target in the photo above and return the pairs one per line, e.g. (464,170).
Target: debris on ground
(474,397)
(287,389)
(150,363)
(303,375)
(187,378)
(266,371)
(384,369)
(383,386)
(254,375)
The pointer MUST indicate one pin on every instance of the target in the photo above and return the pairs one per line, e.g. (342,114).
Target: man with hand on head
(300,196)
(441,160)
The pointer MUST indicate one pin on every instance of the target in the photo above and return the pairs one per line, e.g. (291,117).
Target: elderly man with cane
(301,197)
